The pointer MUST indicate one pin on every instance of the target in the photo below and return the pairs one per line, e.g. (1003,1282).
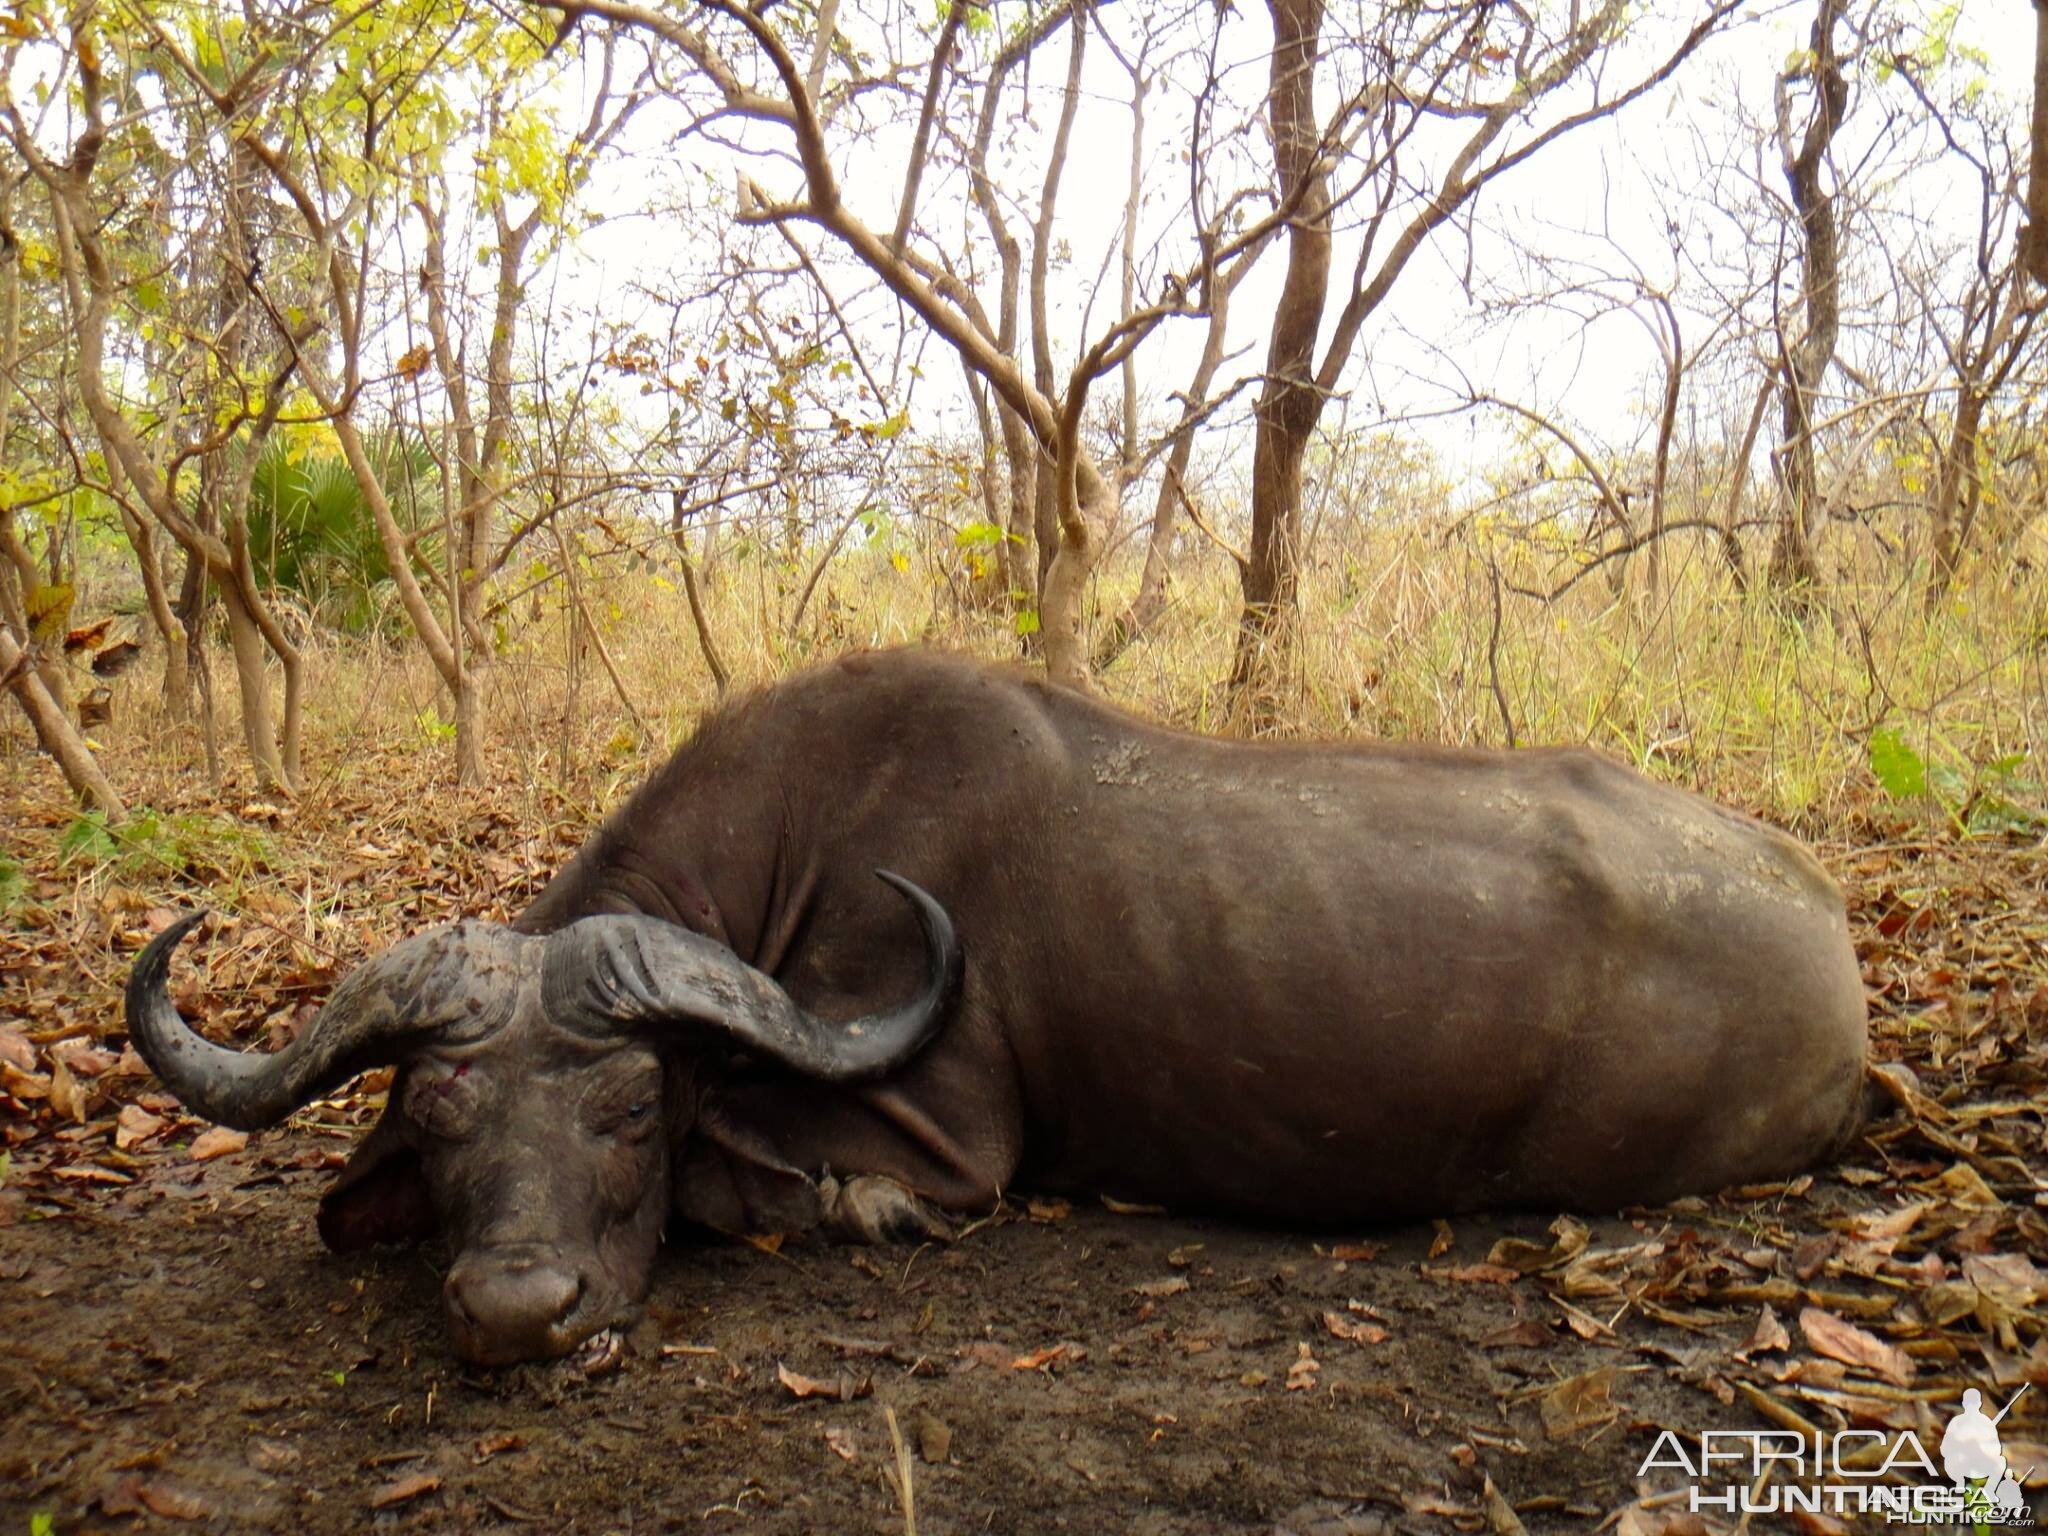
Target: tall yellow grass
(1700,682)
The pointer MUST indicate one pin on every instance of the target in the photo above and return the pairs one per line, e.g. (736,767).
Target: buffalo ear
(380,1197)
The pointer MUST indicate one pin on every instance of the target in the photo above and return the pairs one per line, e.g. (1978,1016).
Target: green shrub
(311,532)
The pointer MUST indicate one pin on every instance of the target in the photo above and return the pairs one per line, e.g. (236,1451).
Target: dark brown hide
(1318,982)
(1325,984)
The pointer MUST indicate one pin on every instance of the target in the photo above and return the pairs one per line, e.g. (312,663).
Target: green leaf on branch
(49,611)
(1899,770)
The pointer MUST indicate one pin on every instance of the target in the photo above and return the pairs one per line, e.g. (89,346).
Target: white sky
(1599,179)
(1590,198)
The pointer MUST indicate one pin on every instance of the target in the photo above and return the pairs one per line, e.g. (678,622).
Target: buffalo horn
(614,971)
(439,982)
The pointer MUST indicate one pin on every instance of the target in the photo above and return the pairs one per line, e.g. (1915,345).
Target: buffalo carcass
(1317,983)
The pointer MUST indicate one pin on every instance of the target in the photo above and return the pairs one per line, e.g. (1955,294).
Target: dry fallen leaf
(1828,1335)
(983,1352)
(1827,1374)
(1301,1375)
(1568,1241)
(1889,1224)
(1948,1301)
(1048,1210)
(1963,1185)
(845,1389)
(1501,1518)
(841,1443)
(135,1125)
(1441,1243)
(15,1050)
(1768,1334)
(23,1084)
(1172,1285)
(934,1439)
(498,1444)
(267,1455)
(1527,1334)
(68,1096)
(1580,1403)
(2009,1279)
(1355,1253)
(1356,1329)
(83,1059)
(86,1173)
(161,1497)
(1038,1359)
(217,1141)
(1131,1208)
(404,1488)
(1473,1274)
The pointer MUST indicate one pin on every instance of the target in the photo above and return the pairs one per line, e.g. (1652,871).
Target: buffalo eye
(635,1119)
(627,1119)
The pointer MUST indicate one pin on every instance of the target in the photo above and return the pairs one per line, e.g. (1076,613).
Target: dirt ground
(176,1348)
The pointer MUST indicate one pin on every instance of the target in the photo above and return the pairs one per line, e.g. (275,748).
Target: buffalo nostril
(512,1310)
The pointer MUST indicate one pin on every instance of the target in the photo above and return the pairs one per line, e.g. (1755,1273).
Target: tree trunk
(15,607)
(1660,476)
(1738,480)
(1132,624)
(177,690)
(1137,619)
(1045,498)
(1804,364)
(55,731)
(259,730)
(1074,553)
(2034,242)
(1955,485)
(1020,449)
(720,677)
(21,608)
(1290,404)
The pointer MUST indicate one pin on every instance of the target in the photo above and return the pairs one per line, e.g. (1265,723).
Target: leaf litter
(1870,1295)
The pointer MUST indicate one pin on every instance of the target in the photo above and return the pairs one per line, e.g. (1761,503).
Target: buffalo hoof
(870,1208)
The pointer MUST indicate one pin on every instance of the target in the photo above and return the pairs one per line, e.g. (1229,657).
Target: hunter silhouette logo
(1975,1462)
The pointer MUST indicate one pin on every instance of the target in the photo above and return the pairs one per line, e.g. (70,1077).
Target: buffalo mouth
(594,1348)
(512,1307)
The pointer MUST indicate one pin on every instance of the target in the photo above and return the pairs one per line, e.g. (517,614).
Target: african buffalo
(1328,984)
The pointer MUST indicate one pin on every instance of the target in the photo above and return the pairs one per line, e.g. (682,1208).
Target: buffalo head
(536,1102)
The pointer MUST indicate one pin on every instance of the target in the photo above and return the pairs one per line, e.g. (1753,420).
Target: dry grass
(1704,685)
